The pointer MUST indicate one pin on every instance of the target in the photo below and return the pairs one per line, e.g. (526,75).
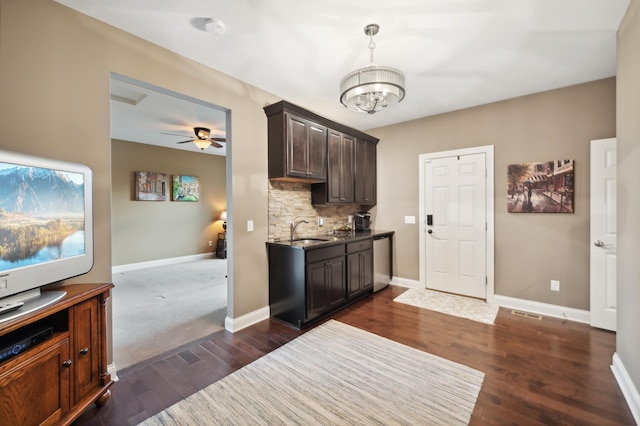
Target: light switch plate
(409,219)
(250,226)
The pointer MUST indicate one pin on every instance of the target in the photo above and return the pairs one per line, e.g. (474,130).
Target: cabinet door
(86,348)
(340,167)
(359,272)
(365,172)
(306,148)
(36,391)
(325,286)
(317,165)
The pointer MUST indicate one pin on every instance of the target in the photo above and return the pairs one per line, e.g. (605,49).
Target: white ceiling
(455,53)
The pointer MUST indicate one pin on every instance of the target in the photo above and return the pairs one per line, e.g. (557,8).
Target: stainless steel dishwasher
(382,265)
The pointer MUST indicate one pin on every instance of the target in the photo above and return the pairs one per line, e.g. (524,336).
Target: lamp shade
(223,215)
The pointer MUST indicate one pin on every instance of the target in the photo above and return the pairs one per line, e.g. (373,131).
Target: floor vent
(527,314)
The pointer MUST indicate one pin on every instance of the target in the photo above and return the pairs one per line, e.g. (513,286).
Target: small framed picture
(150,186)
(185,188)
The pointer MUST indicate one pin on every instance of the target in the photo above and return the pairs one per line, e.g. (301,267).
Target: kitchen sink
(308,240)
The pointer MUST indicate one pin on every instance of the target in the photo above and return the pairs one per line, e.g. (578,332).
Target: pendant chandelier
(373,88)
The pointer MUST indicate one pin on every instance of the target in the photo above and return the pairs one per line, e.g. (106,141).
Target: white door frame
(488,151)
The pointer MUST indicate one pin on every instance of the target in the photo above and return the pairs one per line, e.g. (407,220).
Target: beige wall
(628,134)
(530,249)
(55,67)
(152,230)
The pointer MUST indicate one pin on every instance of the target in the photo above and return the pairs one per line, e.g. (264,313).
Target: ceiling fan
(203,138)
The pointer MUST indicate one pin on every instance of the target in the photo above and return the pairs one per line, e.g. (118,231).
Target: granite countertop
(317,240)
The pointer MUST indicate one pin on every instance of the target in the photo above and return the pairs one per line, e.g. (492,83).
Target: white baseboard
(405,282)
(244,321)
(629,391)
(160,262)
(113,371)
(547,309)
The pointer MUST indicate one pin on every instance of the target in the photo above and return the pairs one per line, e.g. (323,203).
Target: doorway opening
(164,250)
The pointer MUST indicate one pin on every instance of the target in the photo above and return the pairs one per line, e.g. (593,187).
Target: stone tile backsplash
(289,200)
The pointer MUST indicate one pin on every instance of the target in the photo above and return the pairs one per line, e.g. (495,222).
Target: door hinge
(486,280)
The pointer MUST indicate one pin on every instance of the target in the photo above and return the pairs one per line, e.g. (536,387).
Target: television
(46,228)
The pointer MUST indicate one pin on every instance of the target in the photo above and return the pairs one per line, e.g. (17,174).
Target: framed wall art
(185,188)
(546,187)
(150,186)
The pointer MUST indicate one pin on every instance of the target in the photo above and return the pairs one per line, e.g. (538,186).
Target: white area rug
(336,374)
(460,306)
(161,308)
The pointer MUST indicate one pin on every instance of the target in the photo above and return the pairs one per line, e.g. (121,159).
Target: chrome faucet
(294,225)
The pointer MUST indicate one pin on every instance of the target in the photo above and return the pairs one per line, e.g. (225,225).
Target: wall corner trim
(629,391)
(244,321)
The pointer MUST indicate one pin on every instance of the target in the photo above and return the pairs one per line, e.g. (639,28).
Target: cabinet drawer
(359,245)
(317,255)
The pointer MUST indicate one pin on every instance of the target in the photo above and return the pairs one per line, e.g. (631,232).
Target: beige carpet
(460,306)
(162,308)
(335,374)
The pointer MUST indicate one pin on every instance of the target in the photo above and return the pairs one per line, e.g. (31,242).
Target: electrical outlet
(555,285)
(320,221)
(250,226)
(210,243)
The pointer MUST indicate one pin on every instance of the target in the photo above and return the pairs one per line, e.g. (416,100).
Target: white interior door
(603,234)
(456,228)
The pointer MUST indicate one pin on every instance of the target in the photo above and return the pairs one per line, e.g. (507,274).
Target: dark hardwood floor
(537,372)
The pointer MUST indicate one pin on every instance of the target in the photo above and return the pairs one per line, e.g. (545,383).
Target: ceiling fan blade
(175,134)
(215,144)
(218,139)
(190,140)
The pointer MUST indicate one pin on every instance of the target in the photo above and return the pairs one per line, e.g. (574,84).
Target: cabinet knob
(66,363)
(84,351)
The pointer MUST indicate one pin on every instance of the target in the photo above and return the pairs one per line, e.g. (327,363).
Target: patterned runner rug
(335,374)
(460,306)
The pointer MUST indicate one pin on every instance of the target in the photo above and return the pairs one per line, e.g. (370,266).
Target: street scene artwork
(151,186)
(540,187)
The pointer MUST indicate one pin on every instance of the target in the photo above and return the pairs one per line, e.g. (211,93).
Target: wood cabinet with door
(325,280)
(309,283)
(348,163)
(339,187)
(55,380)
(365,172)
(297,146)
(359,268)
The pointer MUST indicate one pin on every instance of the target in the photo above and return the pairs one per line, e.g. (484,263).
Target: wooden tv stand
(54,381)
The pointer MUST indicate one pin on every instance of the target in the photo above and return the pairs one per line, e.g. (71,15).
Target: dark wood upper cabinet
(306,147)
(365,172)
(339,187)
(297,147)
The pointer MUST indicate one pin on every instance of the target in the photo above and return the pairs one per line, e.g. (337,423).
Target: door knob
(430,231)
(598,244)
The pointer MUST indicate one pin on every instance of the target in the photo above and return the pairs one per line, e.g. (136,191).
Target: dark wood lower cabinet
(307,284)
(325,286)
(54,381)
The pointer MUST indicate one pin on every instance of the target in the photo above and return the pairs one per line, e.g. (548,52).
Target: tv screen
(46,222)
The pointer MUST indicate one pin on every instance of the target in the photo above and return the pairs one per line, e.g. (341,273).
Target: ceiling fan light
(202,132)
(202,144)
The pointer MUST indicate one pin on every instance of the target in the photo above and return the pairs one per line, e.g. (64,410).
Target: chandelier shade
(372,88)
